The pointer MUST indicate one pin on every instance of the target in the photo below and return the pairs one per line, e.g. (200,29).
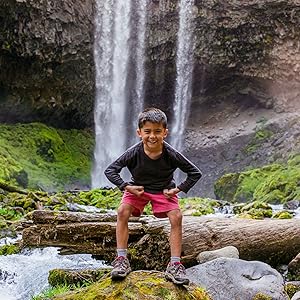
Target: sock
(175,259)
(122,252)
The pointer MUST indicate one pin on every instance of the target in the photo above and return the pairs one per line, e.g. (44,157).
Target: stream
(25,275)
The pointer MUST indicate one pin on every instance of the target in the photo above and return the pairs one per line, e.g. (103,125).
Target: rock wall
(243,49)
(46,62)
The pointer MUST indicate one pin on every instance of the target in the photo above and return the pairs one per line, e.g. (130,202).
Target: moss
(255,210)
(282,215)
(225,187)
(272,183)
(9,249)
(261,135)
(137,285)
(199,206)
(58,277)
(40,157)
(261,296)
(291,289)
(102,198)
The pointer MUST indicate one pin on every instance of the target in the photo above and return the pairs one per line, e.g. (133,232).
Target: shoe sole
(177,282)
(119,275)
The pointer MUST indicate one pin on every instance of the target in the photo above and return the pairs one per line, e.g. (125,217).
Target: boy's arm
(193,173)
(112,173)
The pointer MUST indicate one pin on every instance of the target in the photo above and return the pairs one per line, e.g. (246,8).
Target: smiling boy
(152,163)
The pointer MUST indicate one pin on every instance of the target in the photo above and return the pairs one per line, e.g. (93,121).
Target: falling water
(138,98)
(184,73)
(112,52)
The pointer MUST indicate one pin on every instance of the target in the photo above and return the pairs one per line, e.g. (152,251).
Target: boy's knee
(124,212)
(175,217)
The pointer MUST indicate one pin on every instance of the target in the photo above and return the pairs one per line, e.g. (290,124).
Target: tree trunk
(270,240)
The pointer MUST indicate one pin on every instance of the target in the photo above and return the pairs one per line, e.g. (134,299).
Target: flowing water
(119,40)
(25,275)
(184,73)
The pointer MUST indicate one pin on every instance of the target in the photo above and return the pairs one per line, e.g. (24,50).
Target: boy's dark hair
(153,115)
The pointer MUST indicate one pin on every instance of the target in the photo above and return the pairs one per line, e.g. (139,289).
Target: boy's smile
(152,135)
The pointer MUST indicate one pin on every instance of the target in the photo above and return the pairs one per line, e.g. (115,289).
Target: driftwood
(272,241)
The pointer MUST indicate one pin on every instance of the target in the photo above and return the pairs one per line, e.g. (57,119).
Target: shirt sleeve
(193,173)
(112,172)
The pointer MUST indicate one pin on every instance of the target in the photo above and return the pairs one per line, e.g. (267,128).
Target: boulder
(231,278)
(229,251)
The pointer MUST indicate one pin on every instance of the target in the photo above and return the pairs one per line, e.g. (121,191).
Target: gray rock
(229,251)
(296,296)
(231,278)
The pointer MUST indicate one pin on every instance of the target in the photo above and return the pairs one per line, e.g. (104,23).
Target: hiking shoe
(176,272)
(121,268)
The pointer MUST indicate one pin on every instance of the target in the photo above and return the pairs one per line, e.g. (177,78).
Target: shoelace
(179,268)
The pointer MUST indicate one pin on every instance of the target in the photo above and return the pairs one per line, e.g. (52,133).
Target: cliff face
(247,66)
(46,61)
(244,49)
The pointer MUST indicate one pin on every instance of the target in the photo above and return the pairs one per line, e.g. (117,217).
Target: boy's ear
(138,132)
(166,132)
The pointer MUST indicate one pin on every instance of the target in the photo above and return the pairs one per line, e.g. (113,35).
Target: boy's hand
(170,193)
(135,190)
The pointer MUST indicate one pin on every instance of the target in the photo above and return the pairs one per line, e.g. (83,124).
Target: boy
(152,163)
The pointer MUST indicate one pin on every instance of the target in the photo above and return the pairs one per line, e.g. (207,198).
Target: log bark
(272,241)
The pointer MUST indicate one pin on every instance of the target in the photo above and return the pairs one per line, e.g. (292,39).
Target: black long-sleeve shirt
(154,175)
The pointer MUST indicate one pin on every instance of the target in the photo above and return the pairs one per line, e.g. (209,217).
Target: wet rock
(230,278)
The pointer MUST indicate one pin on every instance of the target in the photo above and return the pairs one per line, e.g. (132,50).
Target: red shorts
(160,203)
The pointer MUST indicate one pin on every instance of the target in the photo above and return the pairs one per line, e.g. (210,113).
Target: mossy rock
(40,157)
(197,206)
(138,285)
(255,210)
(226,186)
(272,183)
(282,215)
(58,277)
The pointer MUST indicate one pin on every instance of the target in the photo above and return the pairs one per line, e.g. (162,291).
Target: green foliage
(51,292)
(40,157)
(102,198)
(78,278)
(10,214)
(198,206)
(282,215)
(9,249)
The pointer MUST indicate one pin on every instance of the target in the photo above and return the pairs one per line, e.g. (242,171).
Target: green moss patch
(40,157)
(9,249)
(272,184)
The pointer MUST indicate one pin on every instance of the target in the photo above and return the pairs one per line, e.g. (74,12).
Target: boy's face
(152,135)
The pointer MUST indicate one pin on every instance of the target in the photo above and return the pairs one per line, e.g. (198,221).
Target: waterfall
(112,52)
(184,73)
(138,98)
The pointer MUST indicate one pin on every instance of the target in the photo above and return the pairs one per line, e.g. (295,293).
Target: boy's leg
(175,270)
(121,266)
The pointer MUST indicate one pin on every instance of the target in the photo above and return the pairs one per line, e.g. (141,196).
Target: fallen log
(270,240)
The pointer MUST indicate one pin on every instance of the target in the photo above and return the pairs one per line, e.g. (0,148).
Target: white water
(25,275)
(138,99)
(111,55)
(118,41)
(184,73)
